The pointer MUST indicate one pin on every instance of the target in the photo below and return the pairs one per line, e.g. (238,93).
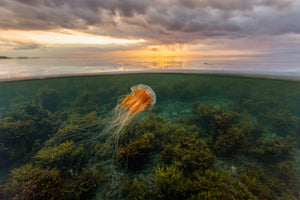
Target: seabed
(209,136)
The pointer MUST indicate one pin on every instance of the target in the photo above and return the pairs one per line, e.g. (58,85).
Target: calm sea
(11,69)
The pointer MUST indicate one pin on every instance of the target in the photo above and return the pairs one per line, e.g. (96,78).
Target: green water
(206,137)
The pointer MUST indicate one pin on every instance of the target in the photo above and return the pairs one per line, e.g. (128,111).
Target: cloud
(19,45)
(27,46)
(168,21)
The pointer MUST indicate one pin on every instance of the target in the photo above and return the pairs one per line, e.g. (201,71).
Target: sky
(149,28)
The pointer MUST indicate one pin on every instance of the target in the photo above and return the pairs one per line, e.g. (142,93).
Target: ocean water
(206,137)
(268,65)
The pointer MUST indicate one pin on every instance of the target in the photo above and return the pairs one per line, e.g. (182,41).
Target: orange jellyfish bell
(141,98)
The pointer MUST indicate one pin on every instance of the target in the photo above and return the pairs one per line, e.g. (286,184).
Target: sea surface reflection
(11,69)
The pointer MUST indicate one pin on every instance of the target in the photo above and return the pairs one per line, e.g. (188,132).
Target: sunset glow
(61,37)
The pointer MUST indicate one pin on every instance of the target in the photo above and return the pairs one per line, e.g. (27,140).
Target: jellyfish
(142,97)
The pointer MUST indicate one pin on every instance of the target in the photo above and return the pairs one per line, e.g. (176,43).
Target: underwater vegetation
(135,190)
(33,182)
(23,133)
(189,153)
(206,138)
(135,154)
(276,150)
(49,99)
(65,156)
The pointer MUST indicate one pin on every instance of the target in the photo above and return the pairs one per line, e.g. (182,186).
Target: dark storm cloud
(163,21)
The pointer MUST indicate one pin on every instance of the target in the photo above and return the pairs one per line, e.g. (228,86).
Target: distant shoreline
(20,57)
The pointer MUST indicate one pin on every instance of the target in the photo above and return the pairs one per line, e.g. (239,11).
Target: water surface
(12,69)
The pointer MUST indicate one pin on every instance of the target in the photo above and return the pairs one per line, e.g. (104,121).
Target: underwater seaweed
(84,184)
(170,183)
(29,182)
(219,185)
(232,143)
(134,190)
(22,133)
(235,144)
(63,156)
(189,153)
(49,99)
(134,155)
(275,182)
(257,182)
(276,150)
(35,182)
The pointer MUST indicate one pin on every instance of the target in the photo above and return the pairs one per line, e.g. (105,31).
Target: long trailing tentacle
(128,108)
(121,119)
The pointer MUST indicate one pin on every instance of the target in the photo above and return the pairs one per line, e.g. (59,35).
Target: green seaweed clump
(276,150)
(213,120)
(188,152)
(44,185)
(16,139)
(285,184)
(49,99)
(135,154)
(65,155)
(23,133)
(219,185)
(83,185)
(284,123)
(134,190)
(77,128)
(257,182)
(170,183)
(286,173)
(29,182)
(225,129)
(231,143)
(279,182)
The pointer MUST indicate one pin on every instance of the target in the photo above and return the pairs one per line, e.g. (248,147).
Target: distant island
(20,57)
(4,57)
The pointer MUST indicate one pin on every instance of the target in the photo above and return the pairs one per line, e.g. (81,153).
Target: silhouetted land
(4,57)
(20,57)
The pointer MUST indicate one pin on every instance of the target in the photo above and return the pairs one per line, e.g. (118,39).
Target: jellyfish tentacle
(142,97)
(129,107)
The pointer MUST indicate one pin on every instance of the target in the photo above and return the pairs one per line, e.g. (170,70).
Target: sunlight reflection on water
(50,67)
